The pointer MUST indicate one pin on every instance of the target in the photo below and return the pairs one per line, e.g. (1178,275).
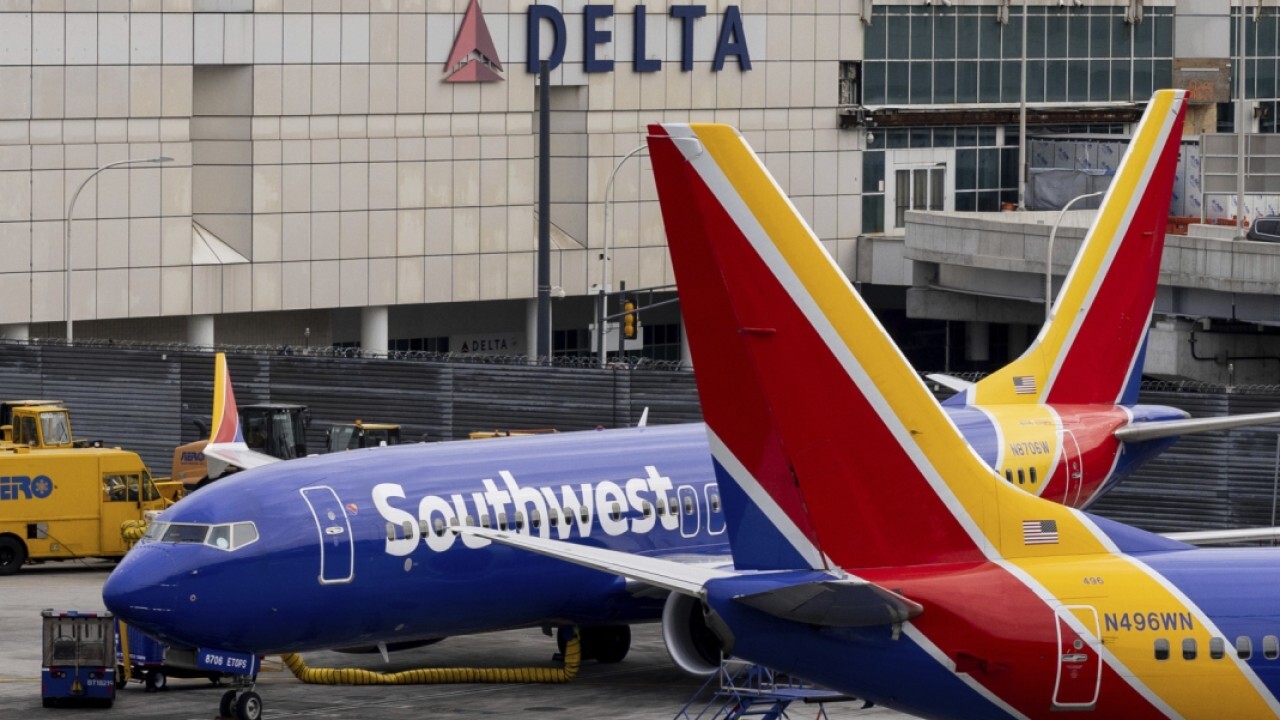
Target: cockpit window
(226,536)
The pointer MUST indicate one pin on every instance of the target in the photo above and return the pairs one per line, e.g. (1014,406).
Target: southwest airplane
(355,549)
(899,567)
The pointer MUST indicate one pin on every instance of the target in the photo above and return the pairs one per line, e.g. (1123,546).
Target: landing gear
(603,643)
(240,705)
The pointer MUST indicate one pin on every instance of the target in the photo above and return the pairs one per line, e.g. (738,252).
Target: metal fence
(146,398)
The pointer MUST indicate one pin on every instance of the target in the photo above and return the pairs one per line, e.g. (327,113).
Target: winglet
(1091,349)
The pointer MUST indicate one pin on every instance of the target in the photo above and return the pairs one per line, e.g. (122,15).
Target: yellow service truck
(63,504)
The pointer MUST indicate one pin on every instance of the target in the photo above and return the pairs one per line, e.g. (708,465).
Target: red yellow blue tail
(226,418)
(1091,348)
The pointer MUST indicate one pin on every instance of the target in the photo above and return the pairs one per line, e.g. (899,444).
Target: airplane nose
(142,590)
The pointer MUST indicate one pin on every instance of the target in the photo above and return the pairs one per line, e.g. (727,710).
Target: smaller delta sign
(474,57)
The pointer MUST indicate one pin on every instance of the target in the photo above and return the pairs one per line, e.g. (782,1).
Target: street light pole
(1048,253)
(66,229)
(1022,118)
(603,304)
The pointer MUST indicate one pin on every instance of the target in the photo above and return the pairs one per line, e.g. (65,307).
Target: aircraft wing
(1218,537)
(668,574)
(1166,428)
(219,455)
(947,381)
(825,601)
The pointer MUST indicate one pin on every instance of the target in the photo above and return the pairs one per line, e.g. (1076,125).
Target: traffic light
(629,320)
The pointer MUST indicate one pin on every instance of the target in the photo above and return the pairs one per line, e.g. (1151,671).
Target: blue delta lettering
(730,42)
(21,487)
(607,503)
(1139,622)
(1035,447)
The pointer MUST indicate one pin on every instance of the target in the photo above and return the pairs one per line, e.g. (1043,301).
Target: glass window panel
(1055,81)
(1143,38)
(1267,35)
(872,170)
(944,137)
(966,201)
(937,183)
(1078,35)
(1162,74)
(921,37)
(1270,647)
(921,138)
(1244,647)
(1121,38)
(1188,648)
(1250,37)
(921,83)
(986,135)
(1036,44)
(1056,35)
(989,81)
(1099,80)
(874,36)
(989,202)
(967,36)
(1162,649)
(1009,172)
(1011,35)
(1077,80)
(988,169)
(966,82)
(899,37)
(989,42)
(1120,80)
(897,83)
(944,35)
(1164,37)
(966,169)
(872,213)
(897,138)
(944,82)
(1142,78)
(1216,648)
(1010,81)
(966,136)
(1100,35)
(903,200)
(873,87)
(1035,80)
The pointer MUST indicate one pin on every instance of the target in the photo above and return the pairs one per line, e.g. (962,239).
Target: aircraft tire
(13,553)
(612,643)
(249,706)
(227,705)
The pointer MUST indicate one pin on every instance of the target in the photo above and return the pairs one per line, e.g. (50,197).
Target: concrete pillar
(20,332)
(200,330)
(977,341)
(373,330)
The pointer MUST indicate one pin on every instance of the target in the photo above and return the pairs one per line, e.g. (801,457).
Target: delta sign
(474,57)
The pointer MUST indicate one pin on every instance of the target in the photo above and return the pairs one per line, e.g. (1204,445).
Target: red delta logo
(473,57)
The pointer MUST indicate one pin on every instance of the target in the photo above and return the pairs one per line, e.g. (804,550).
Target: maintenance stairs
(742,690)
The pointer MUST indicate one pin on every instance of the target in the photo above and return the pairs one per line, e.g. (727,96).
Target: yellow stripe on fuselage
(1128,600)
(1071,305)
(1029,444)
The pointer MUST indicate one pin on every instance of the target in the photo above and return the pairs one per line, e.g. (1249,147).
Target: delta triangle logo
(473,57)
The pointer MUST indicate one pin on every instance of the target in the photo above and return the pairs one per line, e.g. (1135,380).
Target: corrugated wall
(148,399)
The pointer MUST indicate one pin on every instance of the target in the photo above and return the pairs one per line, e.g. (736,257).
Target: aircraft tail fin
(827,445)
(226,417)
(1091,348)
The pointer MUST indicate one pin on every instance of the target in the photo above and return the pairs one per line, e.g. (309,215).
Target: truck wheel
(13,553)
(121,678)
(156,680)
(249,706)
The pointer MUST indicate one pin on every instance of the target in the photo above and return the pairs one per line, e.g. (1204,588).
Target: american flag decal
(1039,532)
(1024,385)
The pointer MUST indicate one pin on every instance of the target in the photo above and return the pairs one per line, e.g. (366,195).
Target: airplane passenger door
(337,548)
(1074,467)
(1079,660)
(690,518)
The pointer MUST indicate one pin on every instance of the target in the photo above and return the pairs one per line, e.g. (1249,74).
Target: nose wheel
(240,705)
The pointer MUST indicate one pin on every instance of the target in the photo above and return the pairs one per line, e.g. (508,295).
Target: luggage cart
(141,658)
(77,667)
